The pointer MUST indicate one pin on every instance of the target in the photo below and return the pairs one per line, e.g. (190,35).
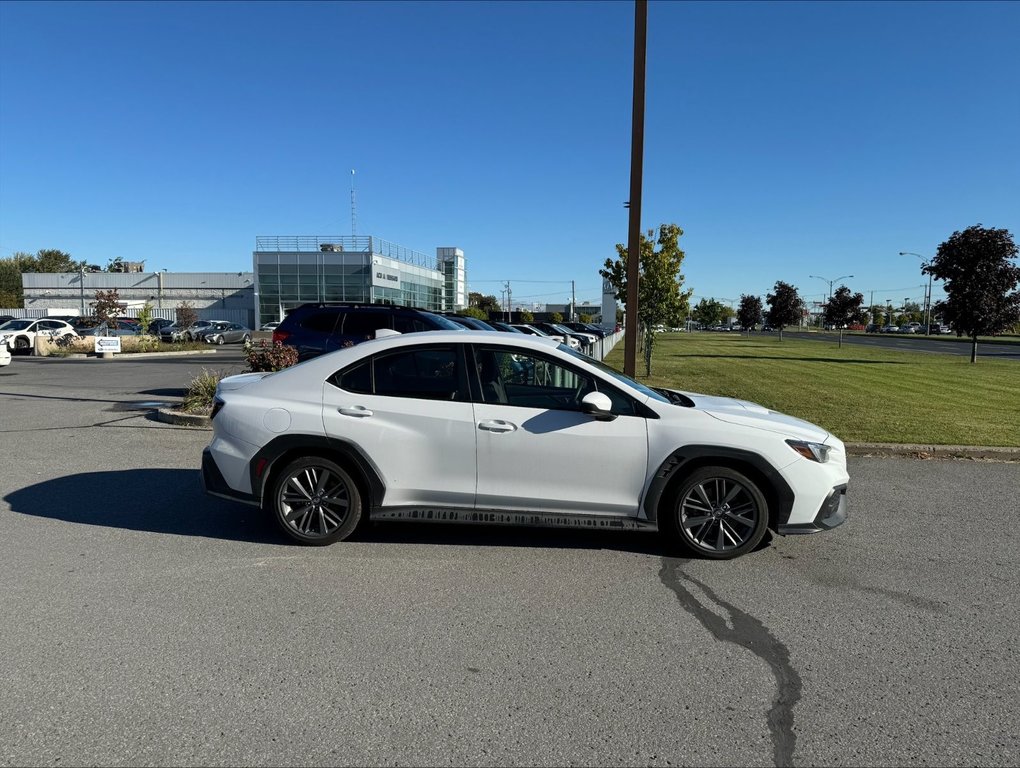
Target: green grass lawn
(860,394)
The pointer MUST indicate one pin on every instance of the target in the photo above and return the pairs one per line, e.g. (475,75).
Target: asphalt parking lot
(148,624)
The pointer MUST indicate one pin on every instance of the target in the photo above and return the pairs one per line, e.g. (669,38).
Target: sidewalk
(934,451)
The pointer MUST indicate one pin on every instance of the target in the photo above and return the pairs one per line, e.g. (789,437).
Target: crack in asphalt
(751,634)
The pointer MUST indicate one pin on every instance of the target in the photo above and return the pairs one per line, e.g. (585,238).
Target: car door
(538,452)
(409,413)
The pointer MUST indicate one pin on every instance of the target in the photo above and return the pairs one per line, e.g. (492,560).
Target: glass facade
(287,279)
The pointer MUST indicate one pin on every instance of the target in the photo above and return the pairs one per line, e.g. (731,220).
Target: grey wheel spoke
(689,522)
(730,534)
(700,489)
(732,494)
(296,482)
(696,505)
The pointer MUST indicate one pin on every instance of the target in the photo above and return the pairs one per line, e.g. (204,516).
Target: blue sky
(787,139)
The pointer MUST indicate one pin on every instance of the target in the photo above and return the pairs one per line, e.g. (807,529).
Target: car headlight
(812,451)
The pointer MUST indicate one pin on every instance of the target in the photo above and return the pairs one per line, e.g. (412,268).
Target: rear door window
(363,325)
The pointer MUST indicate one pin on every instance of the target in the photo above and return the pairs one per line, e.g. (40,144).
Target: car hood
(749,414)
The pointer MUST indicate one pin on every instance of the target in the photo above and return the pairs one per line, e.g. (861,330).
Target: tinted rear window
(323,322)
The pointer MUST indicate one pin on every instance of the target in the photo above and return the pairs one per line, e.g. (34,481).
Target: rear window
(323,322)
(365,323)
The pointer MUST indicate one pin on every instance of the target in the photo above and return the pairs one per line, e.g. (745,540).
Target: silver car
(222,332)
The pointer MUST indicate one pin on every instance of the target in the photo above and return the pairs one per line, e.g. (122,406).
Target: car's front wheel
(21,343)
(718,513)
(316,501)
(220,340)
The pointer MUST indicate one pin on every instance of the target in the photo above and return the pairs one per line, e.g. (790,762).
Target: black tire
(21,343)
(716,513)
(220,340)
(245,339)
(315,501)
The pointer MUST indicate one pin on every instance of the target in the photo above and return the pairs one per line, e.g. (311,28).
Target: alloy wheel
(719,514)
(313,501)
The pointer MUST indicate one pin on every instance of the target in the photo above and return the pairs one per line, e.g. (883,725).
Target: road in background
(149,624)
(909,343)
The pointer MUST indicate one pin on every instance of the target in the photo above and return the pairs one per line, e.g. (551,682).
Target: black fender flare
(685,460)
(285,447)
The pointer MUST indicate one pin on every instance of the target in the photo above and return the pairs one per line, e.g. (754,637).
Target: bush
(199,397)
(269,356)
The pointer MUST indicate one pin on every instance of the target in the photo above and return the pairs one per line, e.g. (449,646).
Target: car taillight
(280,336)
(216,407)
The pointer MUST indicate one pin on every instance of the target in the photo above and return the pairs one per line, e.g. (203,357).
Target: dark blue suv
(314,329)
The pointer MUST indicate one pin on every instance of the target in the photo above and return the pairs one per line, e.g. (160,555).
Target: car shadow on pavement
(172,501)
(158,500)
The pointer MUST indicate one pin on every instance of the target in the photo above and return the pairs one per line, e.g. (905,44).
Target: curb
(934,451)
(181,419)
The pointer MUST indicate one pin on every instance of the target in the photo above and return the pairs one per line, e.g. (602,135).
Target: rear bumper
(833,512)
(215,485)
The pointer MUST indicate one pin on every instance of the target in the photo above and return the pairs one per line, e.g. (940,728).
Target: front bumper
(833,512)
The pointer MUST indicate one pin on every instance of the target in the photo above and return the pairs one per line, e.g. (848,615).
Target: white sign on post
(107,344)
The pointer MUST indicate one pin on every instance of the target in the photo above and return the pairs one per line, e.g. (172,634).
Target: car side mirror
(599,405)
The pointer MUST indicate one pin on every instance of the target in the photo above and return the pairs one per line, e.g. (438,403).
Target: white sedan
(481,427)
(19,334)
(5,355)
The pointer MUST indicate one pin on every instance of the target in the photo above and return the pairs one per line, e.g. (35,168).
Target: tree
(556,317)
(526,316)
(107,306)
(488,304)
(980,281)
(660,298)
(185,315)
(785,306)
(51,260)
(708,312)
(476,313)
(844,308)
(11,291)
(13,267)
(749,312)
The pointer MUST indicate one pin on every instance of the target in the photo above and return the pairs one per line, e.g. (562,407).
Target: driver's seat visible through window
(492,385)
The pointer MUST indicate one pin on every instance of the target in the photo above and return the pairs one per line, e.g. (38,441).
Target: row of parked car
(932,328)
(314,329)
(19,334)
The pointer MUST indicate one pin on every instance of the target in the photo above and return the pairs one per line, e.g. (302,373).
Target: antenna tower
(354,209)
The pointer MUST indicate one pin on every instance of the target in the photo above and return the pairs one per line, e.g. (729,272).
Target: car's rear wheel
(718,513)
(245,339)
(316,501)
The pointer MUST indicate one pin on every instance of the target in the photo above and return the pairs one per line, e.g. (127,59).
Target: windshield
(15,325)
(444,323)
(622,378)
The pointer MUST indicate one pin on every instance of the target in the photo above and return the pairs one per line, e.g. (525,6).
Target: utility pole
(573,303)
(637,145)
(509,299)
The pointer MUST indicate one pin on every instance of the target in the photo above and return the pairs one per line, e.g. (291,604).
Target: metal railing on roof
(342,244)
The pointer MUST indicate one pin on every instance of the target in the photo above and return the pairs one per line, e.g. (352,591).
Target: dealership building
(294,270)
(288,271)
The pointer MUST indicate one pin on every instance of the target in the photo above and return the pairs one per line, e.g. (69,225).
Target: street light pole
(927,296)
(830,282)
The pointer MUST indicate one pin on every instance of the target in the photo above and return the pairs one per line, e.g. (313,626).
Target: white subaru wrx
(478,427)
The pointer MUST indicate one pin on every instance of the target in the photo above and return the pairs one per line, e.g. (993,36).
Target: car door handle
(497,425)
(355,410)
